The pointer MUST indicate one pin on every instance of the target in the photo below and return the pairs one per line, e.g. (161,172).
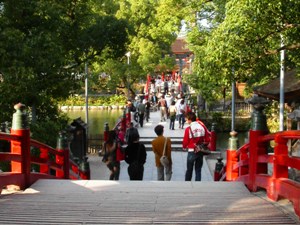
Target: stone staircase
(176,143)
(177,146)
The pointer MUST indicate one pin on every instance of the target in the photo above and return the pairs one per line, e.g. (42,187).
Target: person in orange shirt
(158,148)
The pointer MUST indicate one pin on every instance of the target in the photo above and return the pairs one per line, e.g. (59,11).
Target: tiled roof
(180,46)
(291,87)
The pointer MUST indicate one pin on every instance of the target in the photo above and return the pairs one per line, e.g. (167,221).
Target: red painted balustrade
(53,163)
(253,165)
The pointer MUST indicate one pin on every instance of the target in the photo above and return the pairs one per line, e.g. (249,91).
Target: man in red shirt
(195,133)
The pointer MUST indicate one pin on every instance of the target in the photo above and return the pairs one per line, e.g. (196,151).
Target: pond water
(223,139)
(97,119)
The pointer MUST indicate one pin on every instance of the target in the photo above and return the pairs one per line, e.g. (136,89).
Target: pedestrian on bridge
(147,112)
(162,103)
(172,110)
(131,132)
(160,145)
(141,110)
(110,156)
(181,110)
(135,156)
(195,133)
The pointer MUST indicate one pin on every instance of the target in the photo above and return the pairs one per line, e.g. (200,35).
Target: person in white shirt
(181,109)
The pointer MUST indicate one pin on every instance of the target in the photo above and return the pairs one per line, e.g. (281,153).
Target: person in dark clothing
(109,148)
(135,156)
(141,110)
(130,132)
(148,106)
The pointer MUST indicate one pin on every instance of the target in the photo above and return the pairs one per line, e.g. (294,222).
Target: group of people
(165,83)
(135,153)
(170,106)
(173,108)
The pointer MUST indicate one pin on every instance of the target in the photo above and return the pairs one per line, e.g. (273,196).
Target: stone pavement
(99,171)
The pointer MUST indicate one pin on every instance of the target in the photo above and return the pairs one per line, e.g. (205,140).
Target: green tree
(243,36)
(153,26)
(44,45)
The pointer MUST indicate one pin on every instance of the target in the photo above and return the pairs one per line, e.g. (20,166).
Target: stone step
(147,140)
(175,147)
(178,147)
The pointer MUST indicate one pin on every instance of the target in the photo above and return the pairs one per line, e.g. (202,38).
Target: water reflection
(97,119)
(223,139)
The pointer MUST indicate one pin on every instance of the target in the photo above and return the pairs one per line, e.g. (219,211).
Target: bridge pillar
(256,148)
(213,138)
(20,129)
(232,159)
(63,160)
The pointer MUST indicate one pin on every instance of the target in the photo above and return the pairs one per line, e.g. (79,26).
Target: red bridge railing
(52,163)
(253,165)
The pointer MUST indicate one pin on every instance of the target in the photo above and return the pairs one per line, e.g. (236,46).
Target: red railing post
(213,138)
(20,128)
(232,158)
(280,149)
(66,164)
(62,147)
(257,148)
(44,155)
(279,171)
(243,169)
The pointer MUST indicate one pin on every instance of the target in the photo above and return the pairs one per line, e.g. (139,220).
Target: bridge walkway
(99,201)
(138,202)
(147,134)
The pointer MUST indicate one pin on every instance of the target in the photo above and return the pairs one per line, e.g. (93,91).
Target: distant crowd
(166,96)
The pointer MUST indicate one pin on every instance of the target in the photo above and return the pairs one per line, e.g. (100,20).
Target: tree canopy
(240,40)
(44,45)
(153,27)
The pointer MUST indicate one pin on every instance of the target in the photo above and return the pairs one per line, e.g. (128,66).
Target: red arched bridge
(50,196)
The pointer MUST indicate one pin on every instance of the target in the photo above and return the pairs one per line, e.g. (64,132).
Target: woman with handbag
(110,156)
(195,133)
(135,156)
(161,146)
